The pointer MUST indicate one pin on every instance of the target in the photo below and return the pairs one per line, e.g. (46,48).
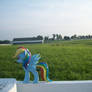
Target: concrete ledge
(56,86)
(10,85)
(7,85)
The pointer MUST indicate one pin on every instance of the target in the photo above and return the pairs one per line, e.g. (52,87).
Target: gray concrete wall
(8,85)
(56,86)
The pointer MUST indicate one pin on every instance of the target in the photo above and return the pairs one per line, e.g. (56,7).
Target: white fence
(27,42)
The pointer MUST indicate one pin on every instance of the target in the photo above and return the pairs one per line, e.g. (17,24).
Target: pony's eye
(18,57)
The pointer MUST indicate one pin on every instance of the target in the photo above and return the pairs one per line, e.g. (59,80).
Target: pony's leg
(35,73)
(27,77)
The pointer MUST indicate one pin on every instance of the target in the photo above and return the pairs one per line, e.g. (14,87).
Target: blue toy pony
(30,64)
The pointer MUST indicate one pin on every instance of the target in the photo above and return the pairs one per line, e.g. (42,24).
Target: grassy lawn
(67,60)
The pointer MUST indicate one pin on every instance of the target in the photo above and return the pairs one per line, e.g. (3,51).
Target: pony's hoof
(25,81)
(34,82)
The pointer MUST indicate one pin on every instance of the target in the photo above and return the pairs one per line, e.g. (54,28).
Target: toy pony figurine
(30,64)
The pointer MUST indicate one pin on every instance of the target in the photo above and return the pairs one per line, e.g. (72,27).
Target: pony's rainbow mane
(27,58)
(19,51)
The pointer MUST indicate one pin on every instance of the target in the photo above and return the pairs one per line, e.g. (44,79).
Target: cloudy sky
(26,18)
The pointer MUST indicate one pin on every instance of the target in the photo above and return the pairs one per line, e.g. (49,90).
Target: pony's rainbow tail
(44,71)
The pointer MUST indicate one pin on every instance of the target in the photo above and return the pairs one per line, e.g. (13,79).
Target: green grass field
(67,60)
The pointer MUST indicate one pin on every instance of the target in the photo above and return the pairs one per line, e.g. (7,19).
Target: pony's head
(22,54)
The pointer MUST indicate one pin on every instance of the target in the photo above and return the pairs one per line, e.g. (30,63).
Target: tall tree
(60,37)
(40,37)
(57,36)
(54,36)
(46,38)
(66,38)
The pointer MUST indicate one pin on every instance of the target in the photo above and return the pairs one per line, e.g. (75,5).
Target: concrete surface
(11,85)
(56,86)
(7,85)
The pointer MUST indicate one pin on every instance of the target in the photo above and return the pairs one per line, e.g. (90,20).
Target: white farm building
(33,40)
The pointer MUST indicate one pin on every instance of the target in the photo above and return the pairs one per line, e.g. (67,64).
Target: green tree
(54,36)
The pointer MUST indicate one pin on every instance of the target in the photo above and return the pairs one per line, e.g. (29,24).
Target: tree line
(73,37)
(4,42)
(47,38)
